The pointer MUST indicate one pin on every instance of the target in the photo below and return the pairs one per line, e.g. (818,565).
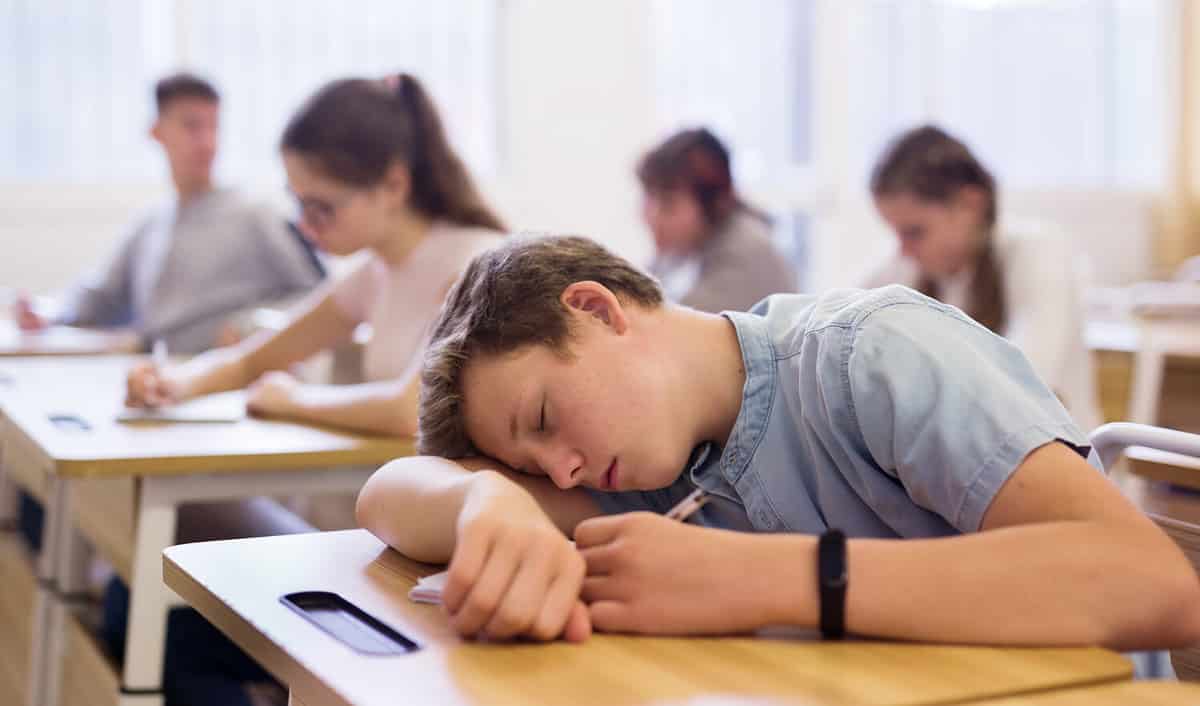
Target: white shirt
(1043,298)
(400,302)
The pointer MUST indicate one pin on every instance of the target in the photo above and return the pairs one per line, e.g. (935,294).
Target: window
(742,69)
(80,73)
(1071,93)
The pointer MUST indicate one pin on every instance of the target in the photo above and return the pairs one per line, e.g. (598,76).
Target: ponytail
(354,130)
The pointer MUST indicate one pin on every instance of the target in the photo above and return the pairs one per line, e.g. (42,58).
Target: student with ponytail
(371,167)
(1021,283)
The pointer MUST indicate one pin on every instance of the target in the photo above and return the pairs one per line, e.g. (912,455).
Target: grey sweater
(182,272)
(735,268)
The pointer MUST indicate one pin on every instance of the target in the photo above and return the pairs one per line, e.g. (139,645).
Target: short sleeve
(948,408)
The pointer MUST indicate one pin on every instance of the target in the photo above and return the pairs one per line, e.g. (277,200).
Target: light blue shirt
(880,412)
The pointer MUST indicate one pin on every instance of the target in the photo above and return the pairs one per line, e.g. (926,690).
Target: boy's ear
(156,131)
(596,301)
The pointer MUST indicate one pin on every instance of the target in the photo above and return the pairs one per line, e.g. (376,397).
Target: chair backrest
(1108,444)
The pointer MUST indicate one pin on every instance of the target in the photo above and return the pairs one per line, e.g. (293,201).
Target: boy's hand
(648,574)
(147,385)
(513,573)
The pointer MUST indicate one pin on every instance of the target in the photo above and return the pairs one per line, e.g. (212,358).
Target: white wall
(577,110)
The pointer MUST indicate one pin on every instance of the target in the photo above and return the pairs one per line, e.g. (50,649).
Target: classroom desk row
(265,618)
(346,572)
(115,489)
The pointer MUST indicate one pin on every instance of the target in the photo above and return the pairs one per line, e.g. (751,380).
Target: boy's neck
(190,190)
(707,371)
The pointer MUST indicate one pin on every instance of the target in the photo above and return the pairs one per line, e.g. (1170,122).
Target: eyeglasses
(318,213)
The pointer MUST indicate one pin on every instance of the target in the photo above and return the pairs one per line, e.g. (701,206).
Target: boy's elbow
(1179,608)
(1168,612)
(373,497)
(368,500)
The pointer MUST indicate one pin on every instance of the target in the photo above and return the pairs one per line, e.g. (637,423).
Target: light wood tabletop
(607,669)
(117,487)
(1129,693)
(65,340)
(64,410)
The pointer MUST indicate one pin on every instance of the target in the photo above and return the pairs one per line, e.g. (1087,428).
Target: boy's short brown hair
(508,298)
(183,85)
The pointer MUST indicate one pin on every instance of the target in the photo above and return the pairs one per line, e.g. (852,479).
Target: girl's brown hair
(697,162)
(353,130)
(932,165)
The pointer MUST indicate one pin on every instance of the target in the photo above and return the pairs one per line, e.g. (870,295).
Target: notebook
(429,589)
(221,408)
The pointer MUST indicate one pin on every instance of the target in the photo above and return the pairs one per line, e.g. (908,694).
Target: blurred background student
(188,267)
(1019,281)
(713,250)
(372,169)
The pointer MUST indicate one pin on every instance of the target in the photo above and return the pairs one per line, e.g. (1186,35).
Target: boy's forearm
(413,504)
(1066,583)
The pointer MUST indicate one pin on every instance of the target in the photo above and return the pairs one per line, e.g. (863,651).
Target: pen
(158,353)
(684,508)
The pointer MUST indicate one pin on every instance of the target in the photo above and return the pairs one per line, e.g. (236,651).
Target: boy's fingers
(611,616)
(522,600)
(579,624)
(487,592)
(598,530)
(601,560)
(600,588)
(555,612)
(465,565)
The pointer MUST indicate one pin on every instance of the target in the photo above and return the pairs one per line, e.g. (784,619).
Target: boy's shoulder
(790,318)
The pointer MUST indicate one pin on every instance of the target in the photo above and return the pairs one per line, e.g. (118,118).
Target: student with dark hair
(191,265)
(714,251)
(372,169)
(1017,280)
(876,463)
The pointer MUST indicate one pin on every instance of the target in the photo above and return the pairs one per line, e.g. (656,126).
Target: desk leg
(64,582)
(149,599)
(45,663)
(8,491)
(1148,365)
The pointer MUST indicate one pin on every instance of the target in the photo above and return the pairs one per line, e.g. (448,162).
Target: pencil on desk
(158,353)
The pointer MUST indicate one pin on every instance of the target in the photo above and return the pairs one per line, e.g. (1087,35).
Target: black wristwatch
(831,583)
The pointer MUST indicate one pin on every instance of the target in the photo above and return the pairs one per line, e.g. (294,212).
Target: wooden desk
(1146,346)
(117,487)
(1129,693)
(65,340)
(608,669)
